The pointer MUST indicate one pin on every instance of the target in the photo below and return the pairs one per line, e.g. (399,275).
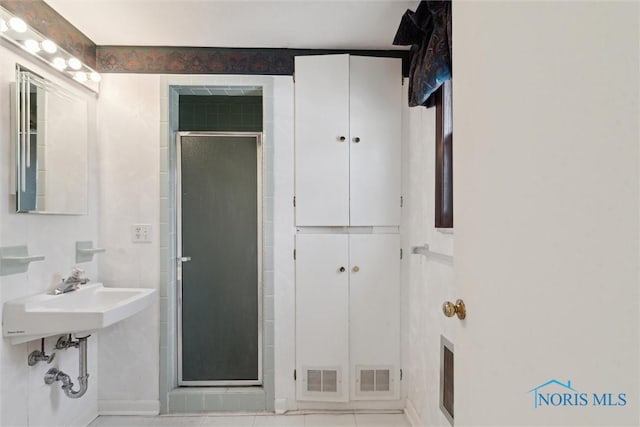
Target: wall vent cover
(446,378)
(374,380)
(322,380)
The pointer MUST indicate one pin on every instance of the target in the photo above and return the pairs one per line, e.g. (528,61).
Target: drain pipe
(54,374)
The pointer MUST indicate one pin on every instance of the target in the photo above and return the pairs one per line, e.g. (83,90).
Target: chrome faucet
(72,282)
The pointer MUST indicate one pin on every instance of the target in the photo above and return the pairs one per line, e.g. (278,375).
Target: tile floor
(294,420)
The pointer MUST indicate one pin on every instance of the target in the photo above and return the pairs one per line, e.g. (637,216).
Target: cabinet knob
(356,139)
(341,269)
(356,269)
(342,138)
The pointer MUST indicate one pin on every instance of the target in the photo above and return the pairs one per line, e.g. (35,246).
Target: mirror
(51,147)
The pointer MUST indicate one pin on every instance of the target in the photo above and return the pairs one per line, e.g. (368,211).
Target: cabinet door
(375,316)
(322,140)
(322,316)
(375,131)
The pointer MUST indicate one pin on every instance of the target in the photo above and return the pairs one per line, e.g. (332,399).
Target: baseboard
(128,407)
(281,406)
(360,405)
(412,415)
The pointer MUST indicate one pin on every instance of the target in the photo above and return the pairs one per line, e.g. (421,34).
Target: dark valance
(428,31)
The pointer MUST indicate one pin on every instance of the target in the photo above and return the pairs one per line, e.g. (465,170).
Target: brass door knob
(449,309)
(355,269)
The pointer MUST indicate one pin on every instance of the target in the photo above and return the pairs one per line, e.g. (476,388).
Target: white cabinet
(347,317)
(348,140)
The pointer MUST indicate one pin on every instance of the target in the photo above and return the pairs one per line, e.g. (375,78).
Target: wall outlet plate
(141,233)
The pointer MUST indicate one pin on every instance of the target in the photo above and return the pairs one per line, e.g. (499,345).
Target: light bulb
(17,25)
(3,26)
(49,46)
(95,77)
(59,63)
(81,76)
(31,46)
(74,63)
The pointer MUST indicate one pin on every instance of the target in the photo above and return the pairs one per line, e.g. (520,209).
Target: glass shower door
(219,249)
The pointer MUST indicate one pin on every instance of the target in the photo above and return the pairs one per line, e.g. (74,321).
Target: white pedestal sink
(89,308)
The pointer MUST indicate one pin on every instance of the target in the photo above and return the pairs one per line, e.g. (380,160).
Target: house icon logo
(554,393)
(540,397)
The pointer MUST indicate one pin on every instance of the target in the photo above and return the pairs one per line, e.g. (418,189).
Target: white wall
(25,399)
(283,231)
(428,281)
(129,156)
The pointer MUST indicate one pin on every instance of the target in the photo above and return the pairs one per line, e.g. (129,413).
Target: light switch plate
(141,233)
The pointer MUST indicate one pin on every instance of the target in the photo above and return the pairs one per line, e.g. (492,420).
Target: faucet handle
(77,272)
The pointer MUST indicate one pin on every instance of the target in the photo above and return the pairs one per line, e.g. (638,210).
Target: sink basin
(89,308)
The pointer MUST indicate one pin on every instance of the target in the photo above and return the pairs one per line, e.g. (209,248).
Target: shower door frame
(180,255)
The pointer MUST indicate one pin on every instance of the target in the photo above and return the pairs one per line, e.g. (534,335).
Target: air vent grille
(314,380)
(322,380)
(382,380)
(368,380)
(374,380)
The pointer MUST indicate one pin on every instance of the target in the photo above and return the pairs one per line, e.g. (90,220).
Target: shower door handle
(181,260)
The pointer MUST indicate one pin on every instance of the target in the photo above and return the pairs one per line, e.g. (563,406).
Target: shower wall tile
(194,402)
(163,335)
(267,283)
(164,185)
(213,402)
(243,401)
(177,403)
(164,135)
(268,333)
(220,113)
(164,284)
(164,160)
(268,312)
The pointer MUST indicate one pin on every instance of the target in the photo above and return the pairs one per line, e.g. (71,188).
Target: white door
(545,98)
(322,140)
(376,132)
(374,314)
(322,317)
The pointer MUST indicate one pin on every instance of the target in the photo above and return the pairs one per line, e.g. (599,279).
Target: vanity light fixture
(16,31)
(59,63)
(74,63)
(49,46)
(17,25)
(81,76)
(31,46)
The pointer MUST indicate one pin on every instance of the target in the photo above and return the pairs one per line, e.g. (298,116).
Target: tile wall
(220,113)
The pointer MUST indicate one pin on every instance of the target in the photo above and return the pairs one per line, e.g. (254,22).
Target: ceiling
(304,24)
